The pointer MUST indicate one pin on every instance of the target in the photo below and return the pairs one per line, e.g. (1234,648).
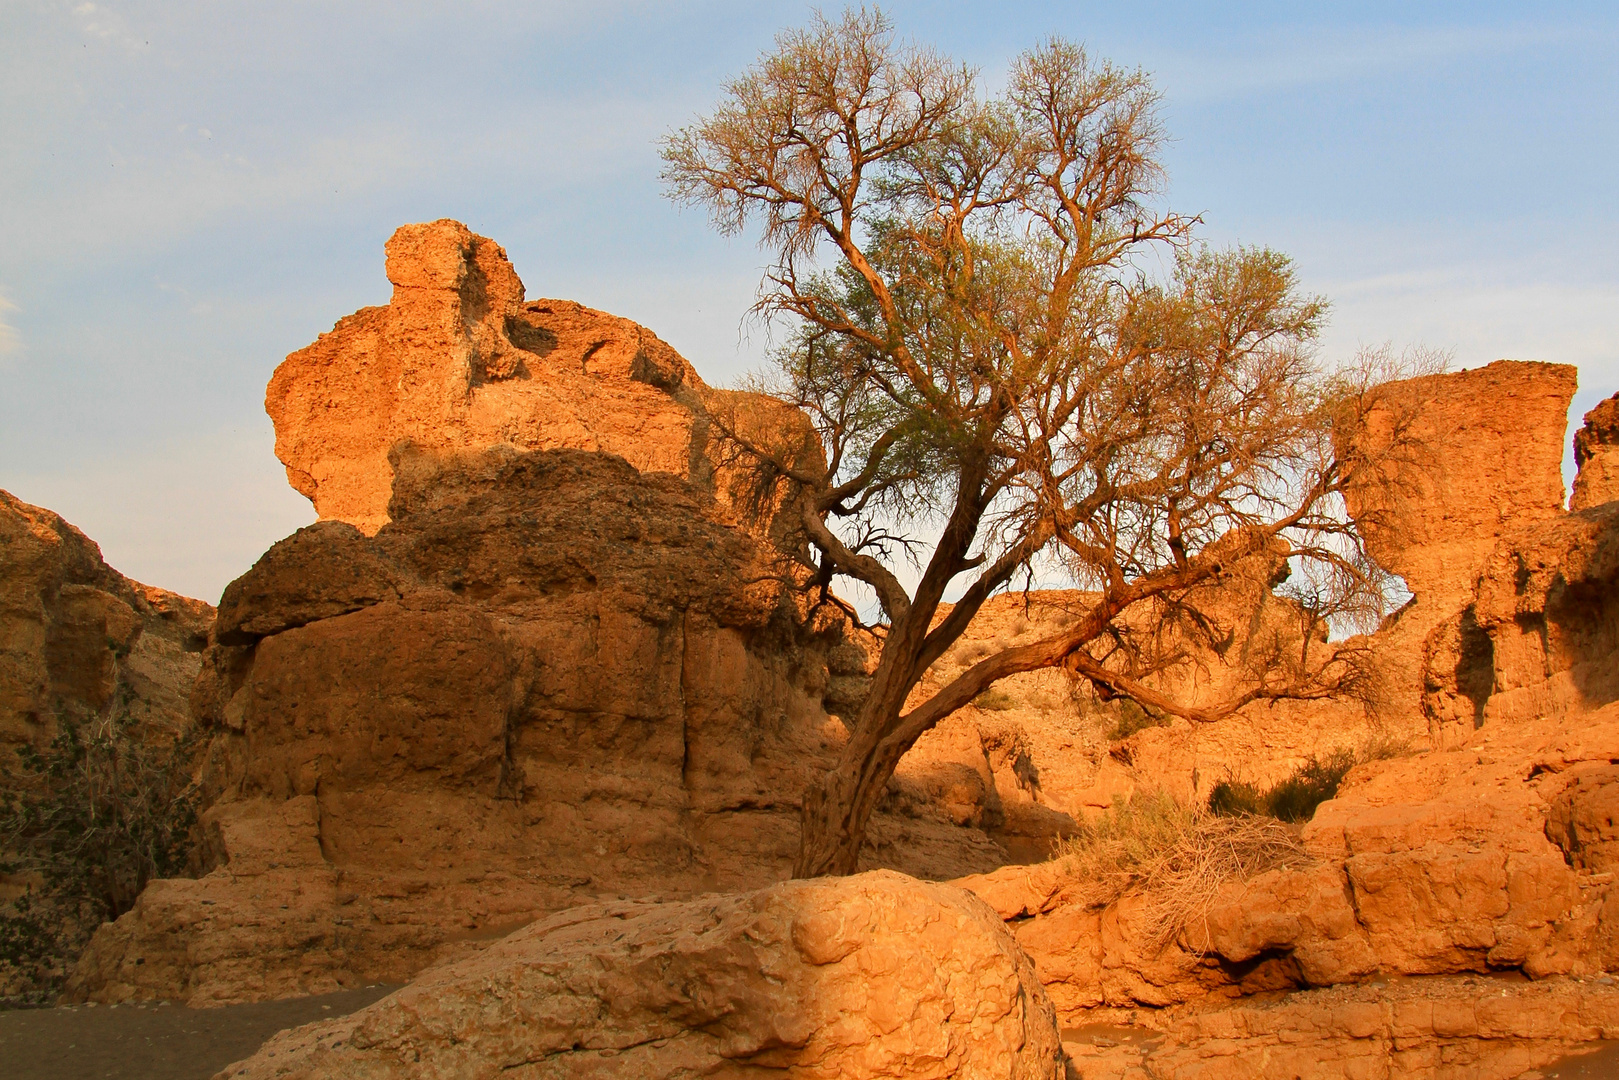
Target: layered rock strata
(870,976)
(550,679)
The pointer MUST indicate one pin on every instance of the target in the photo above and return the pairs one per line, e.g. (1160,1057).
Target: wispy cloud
(10,339)
(99,21)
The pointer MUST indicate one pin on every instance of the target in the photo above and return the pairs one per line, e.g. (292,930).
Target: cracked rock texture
(876,975)
(1414,1029)
(1596,456)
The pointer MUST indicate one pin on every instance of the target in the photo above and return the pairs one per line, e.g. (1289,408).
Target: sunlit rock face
(872,976)
(518,679)
(1596,456)
(459,361)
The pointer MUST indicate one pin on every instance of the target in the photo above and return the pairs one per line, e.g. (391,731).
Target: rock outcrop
(1491,854)
(458,361)
(541,656)
(78,638)
(1463,459)
(549,679)
(872,976)
(1596,456)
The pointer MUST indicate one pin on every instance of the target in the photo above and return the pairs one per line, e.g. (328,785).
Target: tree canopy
(1019,359)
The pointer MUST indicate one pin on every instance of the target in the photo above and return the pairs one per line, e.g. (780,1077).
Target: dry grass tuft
(1176,856)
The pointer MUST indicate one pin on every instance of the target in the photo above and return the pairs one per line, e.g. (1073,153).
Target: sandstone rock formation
(1491,854)
(458,361)
(538,656)
(1464,459)
(551,679)
(1469,461)
(872,976)
(78,638)
(1596,456)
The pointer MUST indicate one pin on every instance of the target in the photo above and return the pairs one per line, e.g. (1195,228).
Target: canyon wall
(79,639)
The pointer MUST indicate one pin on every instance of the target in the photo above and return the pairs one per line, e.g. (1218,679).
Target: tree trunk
(839,803)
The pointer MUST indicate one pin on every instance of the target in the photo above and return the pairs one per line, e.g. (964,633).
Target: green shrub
(995,700)
(1296,797)
(1229,798)
(1129,718)
(92,818)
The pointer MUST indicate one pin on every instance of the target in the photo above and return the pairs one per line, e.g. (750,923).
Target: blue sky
(191,190)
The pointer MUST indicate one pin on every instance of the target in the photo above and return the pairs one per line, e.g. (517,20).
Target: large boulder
(872,976)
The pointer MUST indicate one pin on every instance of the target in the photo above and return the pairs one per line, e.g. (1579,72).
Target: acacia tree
(989,361)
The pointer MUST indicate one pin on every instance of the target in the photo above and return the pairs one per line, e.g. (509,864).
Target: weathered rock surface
(1596,456)
(1434,864)
(551,679)
(1469,457)
(1493,853)
(1472,463)
(79,638)
(458,361)
(1466,459)
(873,976)
(1412,1029)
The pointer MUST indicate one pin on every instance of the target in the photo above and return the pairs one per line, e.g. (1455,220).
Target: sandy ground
(151,1041)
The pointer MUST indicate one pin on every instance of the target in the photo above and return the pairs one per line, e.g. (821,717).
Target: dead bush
(1176,855)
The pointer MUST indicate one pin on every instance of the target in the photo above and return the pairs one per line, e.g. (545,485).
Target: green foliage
(995,700)
(1230,798)
(1313,783)
(92,818)
(1130,717)
(1296,796)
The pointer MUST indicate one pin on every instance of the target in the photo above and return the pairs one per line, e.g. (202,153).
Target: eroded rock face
(1596,456)
(1492,853)
(1482,457)
(550,679)
(76,634)
(1434,864)
(877,975)
(458,361)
